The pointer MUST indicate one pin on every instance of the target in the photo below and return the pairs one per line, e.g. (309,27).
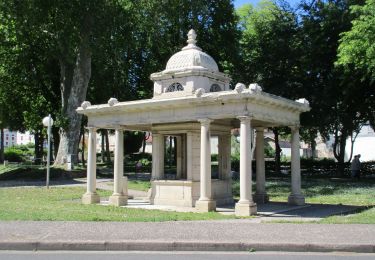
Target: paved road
(110,255)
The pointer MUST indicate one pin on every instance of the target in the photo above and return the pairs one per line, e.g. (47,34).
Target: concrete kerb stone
(181,246)
(19,245)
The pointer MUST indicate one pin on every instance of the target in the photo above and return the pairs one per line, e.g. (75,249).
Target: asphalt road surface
(115,255)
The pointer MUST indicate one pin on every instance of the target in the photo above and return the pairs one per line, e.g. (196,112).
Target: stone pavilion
(192,101)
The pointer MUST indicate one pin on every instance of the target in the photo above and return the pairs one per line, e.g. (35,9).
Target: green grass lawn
(65,204)
(139,185)
(364,217)
(136,185)
(328,191)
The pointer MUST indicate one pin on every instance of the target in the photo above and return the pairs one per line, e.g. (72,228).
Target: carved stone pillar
(245,206)
(179,167)
(157,156)
(189,156)
(224,156)
(91,197)
(118,198)
(261,194)
(205,202)
(296,197)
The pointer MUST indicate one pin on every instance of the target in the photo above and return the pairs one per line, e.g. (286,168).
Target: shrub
(30,145)
(145,162)
(13,154)
(269,152)
(135,157)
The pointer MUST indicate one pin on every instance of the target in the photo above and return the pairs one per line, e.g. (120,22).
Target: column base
(205,205)
(261,198)
(245,209)
(90,198)
(118,200)
(297,200)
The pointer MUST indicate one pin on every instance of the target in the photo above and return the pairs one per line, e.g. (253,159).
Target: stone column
(205,202)
(118,198)
(179,157)
(296,197)
(224,156)
(157,156)
(91,197)
(245,206)
(189,156)
(261,194)
(183,155)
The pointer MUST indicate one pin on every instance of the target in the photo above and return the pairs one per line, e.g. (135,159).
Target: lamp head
(45,121)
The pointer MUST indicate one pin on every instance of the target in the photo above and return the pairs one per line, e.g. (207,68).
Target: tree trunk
(103,151)
(107,152)
(56,141)
(339,150)
(2,146)
(352,140)
(74,83)
(38,149)
(313,149)
(277,151)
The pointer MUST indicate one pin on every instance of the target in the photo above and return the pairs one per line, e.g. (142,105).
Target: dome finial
(192,36)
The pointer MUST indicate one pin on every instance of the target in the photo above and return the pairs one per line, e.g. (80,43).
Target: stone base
(261,198)
(90,198)
(245,209)
(118,200)
(185,193)
(297,200)
(205,205)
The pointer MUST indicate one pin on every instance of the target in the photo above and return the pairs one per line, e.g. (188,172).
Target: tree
(55,40)
(270,51)
(356,52)
(357,45)
(60,53)
(336,96)
(29,82)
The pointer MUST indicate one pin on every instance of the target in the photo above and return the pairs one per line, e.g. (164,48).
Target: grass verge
(330,191)
(364,217)
(64,204)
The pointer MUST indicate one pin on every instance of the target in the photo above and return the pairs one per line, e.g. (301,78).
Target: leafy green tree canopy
(357,46)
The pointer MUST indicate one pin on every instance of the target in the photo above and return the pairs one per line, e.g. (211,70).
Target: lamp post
(48,122)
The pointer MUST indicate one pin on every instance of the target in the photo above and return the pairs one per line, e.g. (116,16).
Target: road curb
(125,245)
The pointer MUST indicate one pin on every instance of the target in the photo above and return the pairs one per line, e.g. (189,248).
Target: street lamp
(48,122)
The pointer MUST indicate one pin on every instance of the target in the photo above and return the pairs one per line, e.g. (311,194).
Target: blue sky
(238,3)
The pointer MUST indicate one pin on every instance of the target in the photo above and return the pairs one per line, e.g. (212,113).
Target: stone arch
(174,87)
(215,88)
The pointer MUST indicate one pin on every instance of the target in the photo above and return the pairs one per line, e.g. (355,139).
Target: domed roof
(191,56)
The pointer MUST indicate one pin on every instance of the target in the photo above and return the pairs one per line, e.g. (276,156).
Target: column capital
(91,128)
(295,127)
(118,128)
(245,118)
(259,129)
(205,121)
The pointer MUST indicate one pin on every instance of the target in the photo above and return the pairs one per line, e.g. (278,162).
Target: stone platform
(272,211)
